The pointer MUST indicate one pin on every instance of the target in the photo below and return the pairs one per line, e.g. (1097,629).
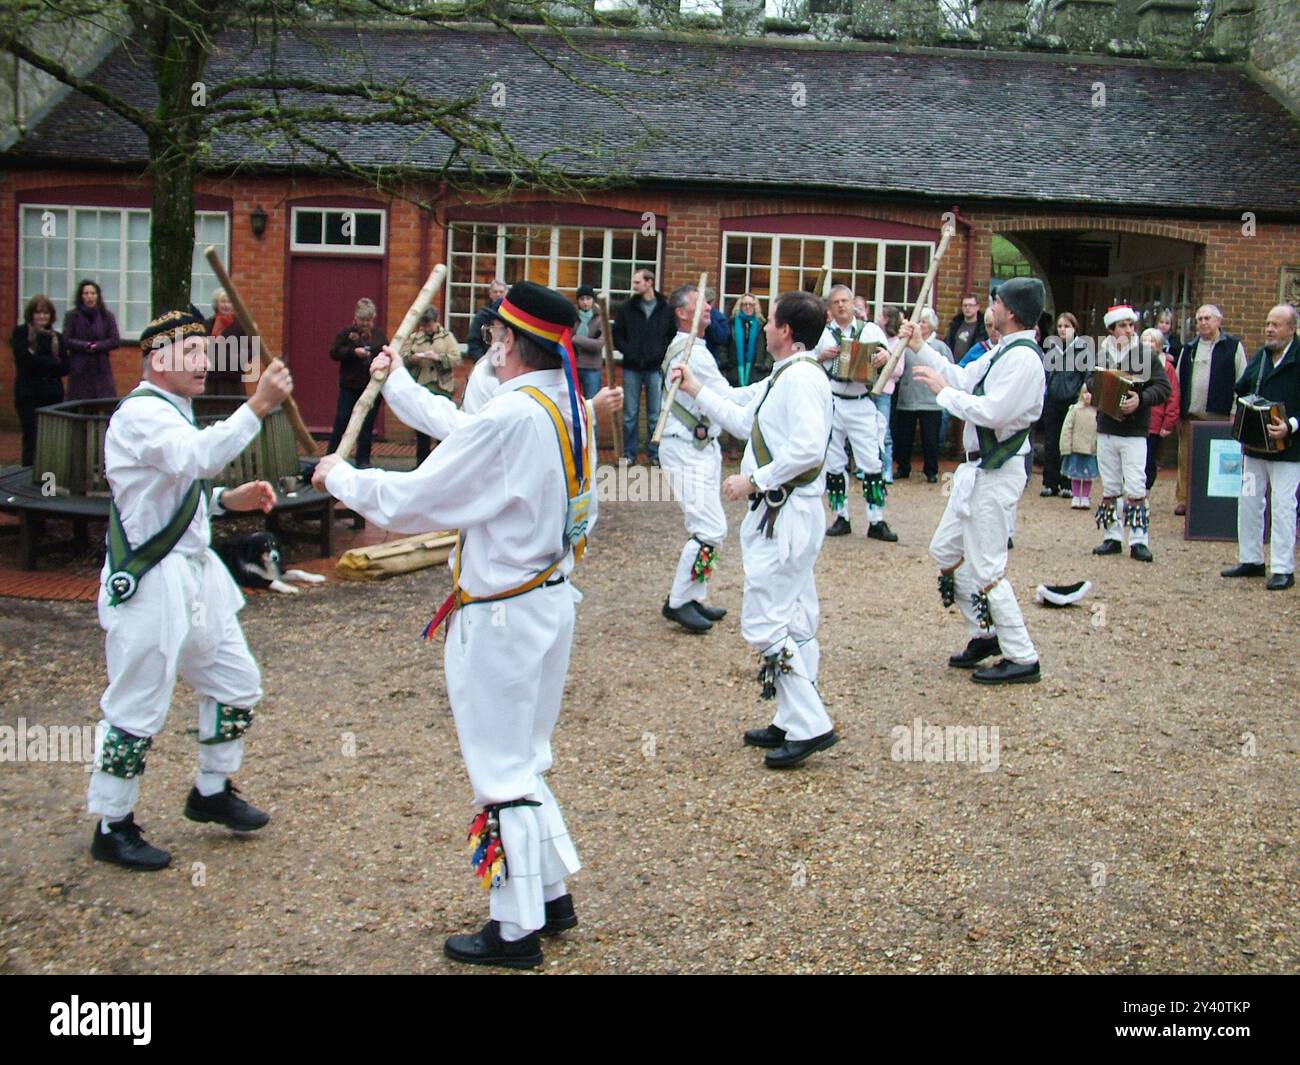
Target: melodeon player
(1273,375)
(1122,434)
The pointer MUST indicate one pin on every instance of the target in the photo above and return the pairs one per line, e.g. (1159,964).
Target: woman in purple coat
(90,334)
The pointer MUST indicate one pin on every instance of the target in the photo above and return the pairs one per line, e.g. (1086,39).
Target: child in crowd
(1079,446)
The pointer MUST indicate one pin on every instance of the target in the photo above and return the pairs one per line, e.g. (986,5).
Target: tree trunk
(171,235)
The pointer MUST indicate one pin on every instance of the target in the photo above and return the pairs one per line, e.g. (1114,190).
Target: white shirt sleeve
(1018,374)
(732,409)
(419,408)
(162,437)
(804,448)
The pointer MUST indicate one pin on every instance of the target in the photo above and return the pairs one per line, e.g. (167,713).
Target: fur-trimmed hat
(1121,312)
(1061,594)
(170,327)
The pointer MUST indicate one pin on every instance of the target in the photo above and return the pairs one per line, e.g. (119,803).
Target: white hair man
(1122,441)
(692,458)
(914,405)
(1272,375)
(168,605)
(999,396)
(856,420)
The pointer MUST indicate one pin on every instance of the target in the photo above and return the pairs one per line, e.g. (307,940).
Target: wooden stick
(377,377)
(887,371)
(823,286)
(682,357)
(305,440)
(607,334)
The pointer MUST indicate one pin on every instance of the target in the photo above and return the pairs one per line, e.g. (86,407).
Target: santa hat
(1061,594)
(1121,312)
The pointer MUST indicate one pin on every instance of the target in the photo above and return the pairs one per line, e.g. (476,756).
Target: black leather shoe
(1010,543)
(710,613)
(792,752)
(687,617)
(488,948)
(225,808)
(560,916)
(1280,582)
(1244,569)
(902,475)
(1008,672)
(1141,553)
(980,648)
(840,526)
(931,478)
(124,845)
(765,737)
(1065,493)
(1108,547)
(1048,492)
(879,530)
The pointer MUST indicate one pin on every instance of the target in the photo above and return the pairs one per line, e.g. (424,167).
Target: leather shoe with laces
(1279,582)
(710,613)
(840,526)
(1141,553)
(560,916)
(980,648)
(1008,672)
(879,530)
(1244,569)
(687,617)
(792,752)
(124,845)
(1108,547)
(225,808)
(486,947)
(765,737)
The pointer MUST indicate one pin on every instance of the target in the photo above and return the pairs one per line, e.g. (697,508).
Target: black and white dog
(254,561)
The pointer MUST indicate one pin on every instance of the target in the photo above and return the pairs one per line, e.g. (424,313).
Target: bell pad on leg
(1137,514)
(705,559)
(771,666)
(122,754)
(231,724)
(836,491)
(874,489)
(947,589)
(1106,514)
(487,853)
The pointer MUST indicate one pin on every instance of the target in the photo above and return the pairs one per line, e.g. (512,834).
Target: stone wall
(1275,47)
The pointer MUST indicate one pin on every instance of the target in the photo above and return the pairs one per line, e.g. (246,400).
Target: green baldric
(761,452)
(127,565)
(994,452)
(699,427)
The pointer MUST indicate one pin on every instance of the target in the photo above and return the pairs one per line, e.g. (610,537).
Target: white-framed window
(560,257)
(768,264)
(61,244)
(339,230)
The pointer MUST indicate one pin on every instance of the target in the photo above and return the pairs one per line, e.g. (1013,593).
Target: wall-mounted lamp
(258,221)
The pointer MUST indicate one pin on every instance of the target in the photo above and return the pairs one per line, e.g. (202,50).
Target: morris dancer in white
(856,420)
(999,396)
(787,420)
(500,478)
(692,458)
(168,605)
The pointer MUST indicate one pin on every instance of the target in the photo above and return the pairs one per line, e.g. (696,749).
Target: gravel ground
(1141,816)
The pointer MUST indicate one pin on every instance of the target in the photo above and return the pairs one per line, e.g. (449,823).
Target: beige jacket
(1079,431)
(432,360)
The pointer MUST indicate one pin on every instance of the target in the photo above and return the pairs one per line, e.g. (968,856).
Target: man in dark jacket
(1208,367)
(1122,441)
(966,328)
(354,346)
(718,333)
(474,346)
(643,326)
(1274,374)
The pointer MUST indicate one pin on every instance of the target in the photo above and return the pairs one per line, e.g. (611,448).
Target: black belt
(861,395)
(557,579)
(972,456)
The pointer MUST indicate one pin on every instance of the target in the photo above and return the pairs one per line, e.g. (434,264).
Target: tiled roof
(948,125)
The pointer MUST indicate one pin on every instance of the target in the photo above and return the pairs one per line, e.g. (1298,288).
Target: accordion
(1112,388)
(1250,422)
(855,361)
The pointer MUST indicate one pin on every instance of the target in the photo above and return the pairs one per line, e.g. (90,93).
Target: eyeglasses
(485,331)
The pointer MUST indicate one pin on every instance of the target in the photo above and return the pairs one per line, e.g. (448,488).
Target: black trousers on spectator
(905,423)
(1153,458)
(347,400)
(1052,420)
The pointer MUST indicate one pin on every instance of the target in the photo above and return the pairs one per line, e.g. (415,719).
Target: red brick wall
(1239,273)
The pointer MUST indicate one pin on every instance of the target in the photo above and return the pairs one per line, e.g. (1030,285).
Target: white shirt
(479,388)
(796,422)
(1201,373)
(705,367)
(867,333)
(498,477)
(153,453)
(1013,390)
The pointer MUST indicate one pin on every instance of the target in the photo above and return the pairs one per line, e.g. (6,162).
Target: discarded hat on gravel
(1121,312)
(1058,595)
(1024,297)
(170,326)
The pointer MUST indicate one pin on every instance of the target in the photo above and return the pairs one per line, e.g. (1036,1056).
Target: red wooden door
(323,294)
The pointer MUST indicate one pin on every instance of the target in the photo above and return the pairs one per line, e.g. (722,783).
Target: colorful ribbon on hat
(562,339)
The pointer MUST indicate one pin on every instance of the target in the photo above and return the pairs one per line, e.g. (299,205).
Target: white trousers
(506,664)
(781,612)
(978,540)
(183,619)
(1122,461)
(1281,480)
(861,424)
(695,475)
